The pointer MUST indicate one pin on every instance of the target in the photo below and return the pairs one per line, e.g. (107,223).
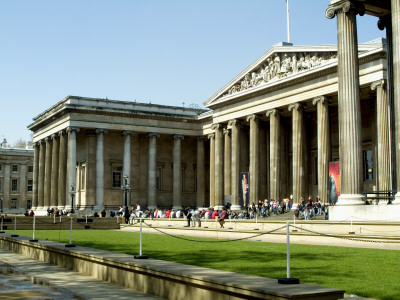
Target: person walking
(222,217)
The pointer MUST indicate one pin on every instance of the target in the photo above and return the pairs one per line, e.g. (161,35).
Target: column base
(218,207)
(176,207)
(350,199)
(396,198)
(236,208)
(151,207)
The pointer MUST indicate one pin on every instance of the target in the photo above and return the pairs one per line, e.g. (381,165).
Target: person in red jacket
(222,217)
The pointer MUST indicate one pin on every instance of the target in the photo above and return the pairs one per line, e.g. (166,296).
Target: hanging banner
(244,181)
(334,182)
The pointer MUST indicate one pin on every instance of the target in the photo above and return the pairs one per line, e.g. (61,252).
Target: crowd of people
(262,210)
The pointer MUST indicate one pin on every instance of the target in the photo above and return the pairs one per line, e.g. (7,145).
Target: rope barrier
(346,238)
(224,241)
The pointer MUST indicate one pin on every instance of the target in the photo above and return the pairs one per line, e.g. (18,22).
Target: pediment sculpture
(281,65)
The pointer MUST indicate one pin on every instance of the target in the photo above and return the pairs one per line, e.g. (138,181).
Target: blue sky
(158,51)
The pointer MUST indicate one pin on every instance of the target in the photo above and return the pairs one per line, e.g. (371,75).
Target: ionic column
(386,22)
(177,172)
(212,169)
(227,162)
(152,164)
(235,163)
(395,8)
(54,171)
(274,153)
(298,151)
(219,165)
(382,121)
(254,157)
(62,167)
(47,173)
(201,196)
(324,147)
(35,176)
(71,165)
(127,159)
(127,153)
(350,147)
(42,154)
(100,169)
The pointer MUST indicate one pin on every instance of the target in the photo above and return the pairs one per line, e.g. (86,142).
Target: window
(158,179)
(28,204)
(83,177)
(1,168)
(30,169)
(30,185)
(117,177)
(13,203)
(368,165)
(14,185)
(1,185)
(316,170)
(15,168)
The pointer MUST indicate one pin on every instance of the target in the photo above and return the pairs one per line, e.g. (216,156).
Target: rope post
(15,227)
(140,256)
(54,215)
(86,218)
(205,222)
(60,218)
(256,222)
(34,225)
(351,226)
(70,236)
(2,231)
(288,279)
(294,224)
(230,222)
(169,221)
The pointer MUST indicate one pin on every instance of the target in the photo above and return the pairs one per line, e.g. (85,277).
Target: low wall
(161,278)
(390,213)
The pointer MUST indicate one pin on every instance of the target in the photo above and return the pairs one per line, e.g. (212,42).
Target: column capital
(61,132)
(234,122)
(344,6)
(322,99)
(211,136)
(380,83)
(127,132)
(101,130)
(54,136)
(153,134)
(201,138)
(296,106)
(273,112)
(71,128)
(177,136)
(216,126)
(226,131)
(252,117)
(384,22)
(47,139)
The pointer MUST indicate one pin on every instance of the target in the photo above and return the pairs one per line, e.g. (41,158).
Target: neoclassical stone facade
(16,179)
(282,120)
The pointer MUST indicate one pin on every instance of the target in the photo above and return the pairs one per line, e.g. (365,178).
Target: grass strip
(365,272)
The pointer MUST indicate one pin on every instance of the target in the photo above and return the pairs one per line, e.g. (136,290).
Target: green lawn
(364,272)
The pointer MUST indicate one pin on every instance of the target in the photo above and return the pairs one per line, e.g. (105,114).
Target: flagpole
(288,21)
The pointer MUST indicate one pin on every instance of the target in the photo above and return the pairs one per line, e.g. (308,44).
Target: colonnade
(349,103)
(55,169)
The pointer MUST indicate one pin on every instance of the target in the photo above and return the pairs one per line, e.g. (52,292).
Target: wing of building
(306,121)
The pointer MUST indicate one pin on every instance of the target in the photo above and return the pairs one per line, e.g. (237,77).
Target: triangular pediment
(281,62)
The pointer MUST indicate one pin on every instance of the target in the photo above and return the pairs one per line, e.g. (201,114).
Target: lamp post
(126,188)
(72,194)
